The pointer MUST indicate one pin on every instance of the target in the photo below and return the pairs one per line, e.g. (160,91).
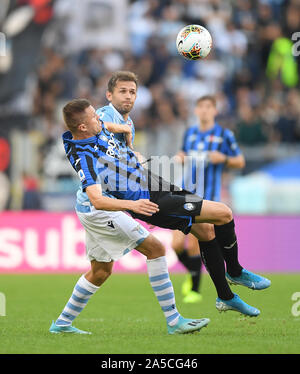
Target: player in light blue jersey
(121,93)
(211,148)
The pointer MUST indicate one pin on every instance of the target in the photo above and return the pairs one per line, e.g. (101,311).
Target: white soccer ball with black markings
(194,42)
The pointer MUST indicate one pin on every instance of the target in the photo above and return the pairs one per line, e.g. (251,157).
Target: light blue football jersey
(109,113)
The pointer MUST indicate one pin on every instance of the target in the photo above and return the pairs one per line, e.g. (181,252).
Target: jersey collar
(67,137)
(207,131)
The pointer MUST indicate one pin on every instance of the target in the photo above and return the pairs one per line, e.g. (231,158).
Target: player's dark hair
(210,98)
(73,113)
(122,75)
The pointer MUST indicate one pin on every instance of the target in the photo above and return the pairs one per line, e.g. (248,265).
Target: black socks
(193,265)
(213,253)
(213,260)
(227,240)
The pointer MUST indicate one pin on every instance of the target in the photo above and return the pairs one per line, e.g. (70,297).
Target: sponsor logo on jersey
(113,147)
(214,139)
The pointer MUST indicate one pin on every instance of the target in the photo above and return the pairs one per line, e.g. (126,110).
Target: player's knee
(156,249)
(223,214)
(227,215)
(151,247)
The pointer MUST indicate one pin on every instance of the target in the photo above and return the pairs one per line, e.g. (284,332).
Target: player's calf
(81,294)
(162,286)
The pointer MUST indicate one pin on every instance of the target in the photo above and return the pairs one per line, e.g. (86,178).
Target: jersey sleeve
(231,146)
(86,168)
(104,115)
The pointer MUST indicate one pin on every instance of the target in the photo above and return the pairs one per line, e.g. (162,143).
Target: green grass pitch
(124,317)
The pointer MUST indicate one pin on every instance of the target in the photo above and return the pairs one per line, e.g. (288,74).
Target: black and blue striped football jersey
(207,182)
(101,159)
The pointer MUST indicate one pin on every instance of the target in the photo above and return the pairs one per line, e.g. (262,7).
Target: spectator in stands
(250,69)
(249,127)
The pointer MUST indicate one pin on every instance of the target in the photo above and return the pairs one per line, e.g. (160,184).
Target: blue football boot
(54,329)
(186,325)
(238,305)
(250,280)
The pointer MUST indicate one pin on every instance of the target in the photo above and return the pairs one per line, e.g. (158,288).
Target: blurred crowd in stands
(253,70)
(250,69)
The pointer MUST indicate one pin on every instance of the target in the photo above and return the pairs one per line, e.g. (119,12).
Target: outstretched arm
(121,129)
(233,162)
(100,202)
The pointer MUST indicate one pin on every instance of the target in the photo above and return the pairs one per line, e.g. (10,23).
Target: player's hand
(145,207)
(128,136)
(140,157)
(179,157)
(216,157)
(128,139)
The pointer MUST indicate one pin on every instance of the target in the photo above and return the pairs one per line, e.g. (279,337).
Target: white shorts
(110,235)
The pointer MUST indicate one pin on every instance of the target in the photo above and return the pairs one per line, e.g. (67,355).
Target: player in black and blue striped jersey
(102,159)
(113,181)
(209,148)
(215,144)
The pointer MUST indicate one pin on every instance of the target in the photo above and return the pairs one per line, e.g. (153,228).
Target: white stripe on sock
(159,276)
(84,284)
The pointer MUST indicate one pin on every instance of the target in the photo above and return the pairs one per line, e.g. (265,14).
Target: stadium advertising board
(54,242)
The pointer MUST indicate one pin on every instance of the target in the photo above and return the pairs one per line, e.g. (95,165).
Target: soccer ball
(194,42)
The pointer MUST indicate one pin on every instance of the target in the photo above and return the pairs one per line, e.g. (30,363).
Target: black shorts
(177,207)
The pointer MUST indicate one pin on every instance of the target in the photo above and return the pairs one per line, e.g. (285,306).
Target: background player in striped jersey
(212,148)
